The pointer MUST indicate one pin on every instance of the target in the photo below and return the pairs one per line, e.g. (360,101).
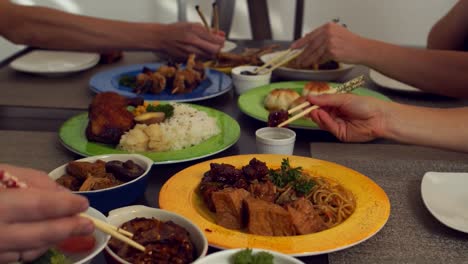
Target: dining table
(33,108)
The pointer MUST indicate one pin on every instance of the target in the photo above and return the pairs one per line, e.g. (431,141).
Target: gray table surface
(32,108)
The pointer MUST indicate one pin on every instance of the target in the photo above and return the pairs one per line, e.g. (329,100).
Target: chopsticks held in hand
(278,61)
(344,88)
(9,181)
(215,18)
(115,232)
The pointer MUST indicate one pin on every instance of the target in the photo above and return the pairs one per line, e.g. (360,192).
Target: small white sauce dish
(226,257)
(275,140)
(445,196)
(243,83)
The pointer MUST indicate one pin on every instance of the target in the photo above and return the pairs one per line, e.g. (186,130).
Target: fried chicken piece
(70,182)
(109,118)
(83,169)
(93,183)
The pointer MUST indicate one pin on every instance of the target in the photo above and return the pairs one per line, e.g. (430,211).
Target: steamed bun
(280,99)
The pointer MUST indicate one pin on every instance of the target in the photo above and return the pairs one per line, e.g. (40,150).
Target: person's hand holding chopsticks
(349,117)
(181,39)
(36,218)
(330,42)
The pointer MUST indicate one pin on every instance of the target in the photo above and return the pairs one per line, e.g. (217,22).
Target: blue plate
(215,84)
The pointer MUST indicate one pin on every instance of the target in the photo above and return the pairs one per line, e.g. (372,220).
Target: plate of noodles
(328,71)
(255,101)
(294,205)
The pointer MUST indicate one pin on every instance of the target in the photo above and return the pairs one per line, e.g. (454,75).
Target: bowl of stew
(108,181)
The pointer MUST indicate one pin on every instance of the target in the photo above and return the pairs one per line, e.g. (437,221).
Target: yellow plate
(372,208)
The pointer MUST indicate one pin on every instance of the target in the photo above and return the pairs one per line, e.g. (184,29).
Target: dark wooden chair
(260,19)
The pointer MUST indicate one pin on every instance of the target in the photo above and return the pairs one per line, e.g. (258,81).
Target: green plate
(72,136)
(251,102)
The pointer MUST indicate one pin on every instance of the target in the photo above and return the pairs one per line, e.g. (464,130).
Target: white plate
(228,46)
(310,75)
(225,257)
(46,62)
(446,197)
(390,83)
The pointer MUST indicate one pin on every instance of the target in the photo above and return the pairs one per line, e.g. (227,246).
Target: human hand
(350,118)
(38,217)
(330,42)
(181,39)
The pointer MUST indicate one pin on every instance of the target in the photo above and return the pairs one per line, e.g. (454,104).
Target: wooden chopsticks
(200,14)
(214,21)
(215,17)
(344,88)
(278,61)
(115,232)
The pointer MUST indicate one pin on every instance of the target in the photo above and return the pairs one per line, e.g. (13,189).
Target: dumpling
(280,99)
(316,88)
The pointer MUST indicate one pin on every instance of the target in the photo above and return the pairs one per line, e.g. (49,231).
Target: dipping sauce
(248,73)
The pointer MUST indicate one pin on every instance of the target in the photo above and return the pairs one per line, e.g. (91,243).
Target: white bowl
(243,83)
(110,198)
(119,216)
(101,241)
(310,75)
(275,140)
(225,257)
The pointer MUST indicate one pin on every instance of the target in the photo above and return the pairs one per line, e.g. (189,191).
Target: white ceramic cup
(275,140)
(243,83)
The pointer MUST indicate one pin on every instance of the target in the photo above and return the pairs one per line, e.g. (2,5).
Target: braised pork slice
(228,204)
(304,217)
(267,219)
(265,191)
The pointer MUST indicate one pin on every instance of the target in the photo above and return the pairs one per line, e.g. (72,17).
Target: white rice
(187,127)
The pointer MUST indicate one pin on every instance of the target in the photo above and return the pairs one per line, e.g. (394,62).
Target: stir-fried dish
(283,201)
(165,243)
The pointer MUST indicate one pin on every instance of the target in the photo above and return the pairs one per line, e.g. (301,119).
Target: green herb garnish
(247,257)
(128,80)
(304,186)
(167,109)
(285,175)
(52,256)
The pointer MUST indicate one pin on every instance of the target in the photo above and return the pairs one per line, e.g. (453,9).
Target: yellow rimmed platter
(179,194)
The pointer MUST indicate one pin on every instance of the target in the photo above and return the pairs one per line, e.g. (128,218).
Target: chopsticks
(9,181)
(215,16)
(344,88)
(278,61)
(115,232)
(200,14)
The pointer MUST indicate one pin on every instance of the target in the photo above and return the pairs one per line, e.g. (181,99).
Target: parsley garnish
(167,109)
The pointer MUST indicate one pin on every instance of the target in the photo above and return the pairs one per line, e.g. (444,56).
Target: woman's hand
(330,42)
(38,217)
(181,39)
(350,118)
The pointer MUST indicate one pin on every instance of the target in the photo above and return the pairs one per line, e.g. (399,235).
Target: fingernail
(84,204)
(85,226)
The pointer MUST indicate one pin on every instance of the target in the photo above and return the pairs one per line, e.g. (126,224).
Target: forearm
(442,128)
(436,71)
(451,31)
(48,28)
